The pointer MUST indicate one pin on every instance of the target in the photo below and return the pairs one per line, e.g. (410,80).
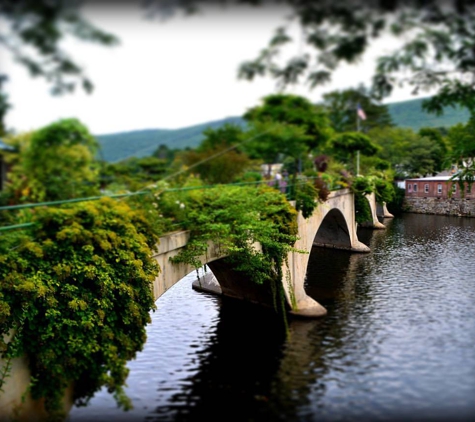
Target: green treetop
(342,106)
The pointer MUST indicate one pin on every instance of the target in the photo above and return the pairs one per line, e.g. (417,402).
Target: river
(398,342)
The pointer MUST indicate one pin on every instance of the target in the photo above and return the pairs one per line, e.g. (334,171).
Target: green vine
(362,186)
(76,288)
(77,294)
(306,195)
(384,190)
(237,219)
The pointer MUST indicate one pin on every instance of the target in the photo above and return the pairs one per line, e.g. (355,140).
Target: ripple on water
(397,343)
(180,328)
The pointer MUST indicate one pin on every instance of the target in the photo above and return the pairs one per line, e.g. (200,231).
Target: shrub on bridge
(236,218)
(77,294)
(362,186)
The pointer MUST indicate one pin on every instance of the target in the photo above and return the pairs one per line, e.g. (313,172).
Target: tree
(33,31)
(293,110)
(439,150)
(272,142)
(133,173)
(347,144)
(342,106)
(164,153)
(4,106)
(438,50)
(288,126)
(421,161)
(226,136)
(217,159)
(408,153)
(395,144)
(461,139)
(58,163)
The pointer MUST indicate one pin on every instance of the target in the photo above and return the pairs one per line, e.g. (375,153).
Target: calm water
(398,342)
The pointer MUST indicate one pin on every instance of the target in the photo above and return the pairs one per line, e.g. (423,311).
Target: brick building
(436,187)
(439,195)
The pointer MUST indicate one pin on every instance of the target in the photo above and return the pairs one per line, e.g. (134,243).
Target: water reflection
(235,372)
(397,343)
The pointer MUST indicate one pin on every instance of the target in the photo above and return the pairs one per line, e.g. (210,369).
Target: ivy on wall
(237,219)
(361,186)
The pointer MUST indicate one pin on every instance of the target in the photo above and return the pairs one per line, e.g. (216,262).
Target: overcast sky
(169,74)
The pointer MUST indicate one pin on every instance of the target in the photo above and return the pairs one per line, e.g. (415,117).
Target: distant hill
(410,114)
(141,143)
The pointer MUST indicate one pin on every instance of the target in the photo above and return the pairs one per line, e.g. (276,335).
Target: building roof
(433,178)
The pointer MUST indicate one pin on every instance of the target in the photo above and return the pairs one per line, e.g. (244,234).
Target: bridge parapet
(168,247)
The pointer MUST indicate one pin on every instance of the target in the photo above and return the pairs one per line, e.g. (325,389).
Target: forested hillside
(142,143)
(410,114)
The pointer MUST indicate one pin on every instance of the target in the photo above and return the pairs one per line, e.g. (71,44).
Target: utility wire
(140,192)
(182,189)
(211,157)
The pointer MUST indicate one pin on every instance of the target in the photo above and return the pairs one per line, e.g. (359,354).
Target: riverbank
(459,207)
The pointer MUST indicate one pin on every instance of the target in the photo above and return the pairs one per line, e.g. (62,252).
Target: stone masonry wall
(453,206)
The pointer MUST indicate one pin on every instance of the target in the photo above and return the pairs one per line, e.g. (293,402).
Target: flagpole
(357,152)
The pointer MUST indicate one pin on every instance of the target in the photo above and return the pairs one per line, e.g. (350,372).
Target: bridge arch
(333,231)
(336,216)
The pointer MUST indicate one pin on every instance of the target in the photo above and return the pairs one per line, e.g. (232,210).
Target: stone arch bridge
(331,225)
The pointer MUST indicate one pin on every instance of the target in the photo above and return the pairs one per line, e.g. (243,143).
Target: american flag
(361,113)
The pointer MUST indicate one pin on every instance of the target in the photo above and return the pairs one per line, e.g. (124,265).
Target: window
(454,188)
(409,187)
(439,188)
(426,188)
(414,188)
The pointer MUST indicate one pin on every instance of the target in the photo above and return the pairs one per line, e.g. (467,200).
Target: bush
(77,294)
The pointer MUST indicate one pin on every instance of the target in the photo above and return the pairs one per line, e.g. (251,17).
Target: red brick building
(436,187)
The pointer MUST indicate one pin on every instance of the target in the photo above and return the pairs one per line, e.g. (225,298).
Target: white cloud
(164,74)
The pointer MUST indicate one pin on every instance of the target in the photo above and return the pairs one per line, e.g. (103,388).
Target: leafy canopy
(411,154)
(59,163)
(293,110)
(438,51)
(77,291)
(218,158)
(342,106)
(33,31)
